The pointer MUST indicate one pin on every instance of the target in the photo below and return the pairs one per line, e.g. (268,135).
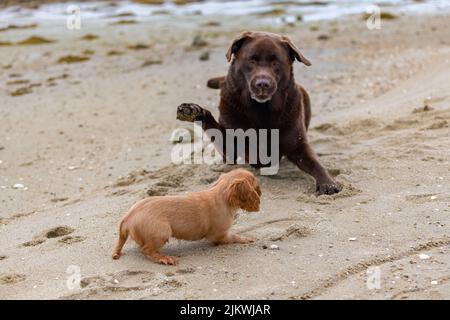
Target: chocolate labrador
(258,92)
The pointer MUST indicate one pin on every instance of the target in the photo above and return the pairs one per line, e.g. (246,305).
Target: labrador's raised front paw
(190,112)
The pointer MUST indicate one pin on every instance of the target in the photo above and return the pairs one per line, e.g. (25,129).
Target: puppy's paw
(329,187)
(190,112)
(116,255)
(244,240)
(167,260)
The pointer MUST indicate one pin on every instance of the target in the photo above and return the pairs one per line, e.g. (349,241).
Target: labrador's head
(264,61)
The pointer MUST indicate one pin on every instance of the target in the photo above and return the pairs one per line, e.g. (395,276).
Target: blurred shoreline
(34,4)
(266,11)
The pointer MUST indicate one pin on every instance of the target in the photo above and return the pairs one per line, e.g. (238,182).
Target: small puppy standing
(207,214)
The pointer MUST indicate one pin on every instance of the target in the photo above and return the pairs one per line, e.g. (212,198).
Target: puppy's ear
(294,51)
(233,193)
(253,199)
(237,44)
(241,194)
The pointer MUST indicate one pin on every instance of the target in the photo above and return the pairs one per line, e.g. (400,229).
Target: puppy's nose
(263,83)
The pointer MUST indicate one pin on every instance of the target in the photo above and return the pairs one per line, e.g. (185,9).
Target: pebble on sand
(424,256)
(18,186)
(274,247)
(352,239)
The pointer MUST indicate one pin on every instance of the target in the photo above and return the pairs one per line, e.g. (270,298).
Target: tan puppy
(207,214)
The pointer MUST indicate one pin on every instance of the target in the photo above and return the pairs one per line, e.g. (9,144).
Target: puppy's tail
(123,235)
(215,83)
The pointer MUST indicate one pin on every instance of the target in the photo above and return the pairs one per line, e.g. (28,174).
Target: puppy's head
(243,190)
(264,62)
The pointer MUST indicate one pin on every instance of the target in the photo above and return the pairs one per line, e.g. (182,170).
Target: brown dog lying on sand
(260,92)
(206,214)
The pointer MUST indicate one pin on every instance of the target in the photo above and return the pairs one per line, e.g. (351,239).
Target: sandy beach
(86,119)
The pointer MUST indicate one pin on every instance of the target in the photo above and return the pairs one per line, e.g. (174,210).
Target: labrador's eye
(254,59)
(275,63)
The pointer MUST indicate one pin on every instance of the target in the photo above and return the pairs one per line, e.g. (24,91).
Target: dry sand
(88,139)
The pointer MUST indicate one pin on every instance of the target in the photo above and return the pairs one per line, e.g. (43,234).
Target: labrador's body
(260,92)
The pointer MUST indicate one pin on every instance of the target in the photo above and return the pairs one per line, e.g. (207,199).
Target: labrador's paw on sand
(348,190)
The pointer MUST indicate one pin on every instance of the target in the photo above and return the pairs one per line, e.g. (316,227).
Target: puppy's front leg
(230,238)
(157,257)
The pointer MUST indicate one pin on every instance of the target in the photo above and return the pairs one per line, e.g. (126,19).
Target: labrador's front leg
(307,161)
(192,112)
(301,153)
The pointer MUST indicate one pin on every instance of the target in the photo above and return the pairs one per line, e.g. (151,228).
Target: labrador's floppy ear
(294,51)
(237,44)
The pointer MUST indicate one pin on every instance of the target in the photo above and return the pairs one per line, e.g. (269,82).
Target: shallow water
(268,10)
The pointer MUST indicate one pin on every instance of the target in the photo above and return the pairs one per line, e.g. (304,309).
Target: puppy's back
(186,216)
(155,206)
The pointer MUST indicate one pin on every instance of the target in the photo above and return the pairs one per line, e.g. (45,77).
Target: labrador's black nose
(263,83)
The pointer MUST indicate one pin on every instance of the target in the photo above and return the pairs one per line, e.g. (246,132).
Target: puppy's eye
(275,63)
